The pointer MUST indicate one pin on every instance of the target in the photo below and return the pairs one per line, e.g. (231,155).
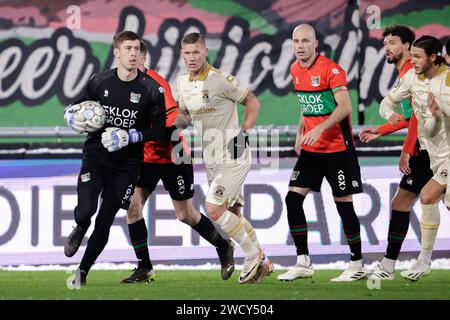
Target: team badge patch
(205,96)
(135,97)
(315,81)
(85,177)
(294,175)
(444,173)
(219,191)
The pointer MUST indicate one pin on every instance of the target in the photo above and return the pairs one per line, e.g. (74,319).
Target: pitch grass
(206,285)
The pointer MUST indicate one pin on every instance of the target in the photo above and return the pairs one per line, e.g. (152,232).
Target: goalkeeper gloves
(237,145)
(115,139)
(73,120)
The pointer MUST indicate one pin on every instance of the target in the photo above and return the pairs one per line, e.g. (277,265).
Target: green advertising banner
(49,49)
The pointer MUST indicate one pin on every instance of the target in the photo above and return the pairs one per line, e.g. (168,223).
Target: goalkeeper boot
(74,241)
(226,258)
(417,271)
(380,273)
(250,268)
(80,278)
(355,271)
(302,269)
(141,275)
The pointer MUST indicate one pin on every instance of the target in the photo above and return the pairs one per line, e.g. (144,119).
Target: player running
(112,156)
(208,97)
(178,180)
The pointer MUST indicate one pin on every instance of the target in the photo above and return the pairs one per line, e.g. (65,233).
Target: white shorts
(441,177)
(225,183)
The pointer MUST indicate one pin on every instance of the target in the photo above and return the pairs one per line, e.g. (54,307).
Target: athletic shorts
(420,173)
(225,182)
(178,180)
(441,175)
(114,176)
(341,169)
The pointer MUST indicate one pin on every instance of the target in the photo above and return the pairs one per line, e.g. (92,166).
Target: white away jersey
(211,101)
(419,87)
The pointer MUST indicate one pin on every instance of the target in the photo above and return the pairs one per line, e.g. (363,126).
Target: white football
(93,114)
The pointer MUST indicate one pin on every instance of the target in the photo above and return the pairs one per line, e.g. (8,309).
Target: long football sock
(232,226)
(297,221)
(208,231)
(398,228)
(138,236)
(351,226)
(250,231)
(429,225)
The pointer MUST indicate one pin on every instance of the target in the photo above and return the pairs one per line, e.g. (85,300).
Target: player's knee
(184,215)
(427,198)
(214,211)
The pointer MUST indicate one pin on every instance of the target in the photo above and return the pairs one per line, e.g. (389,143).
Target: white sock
(425,256)
(388,264)
(250,231)
(429,225)
(233,227)
(304,260)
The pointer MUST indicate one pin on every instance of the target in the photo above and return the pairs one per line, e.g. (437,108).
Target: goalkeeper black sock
(350,222)
(208,231)
(138,236)
(398,228)
(297,221)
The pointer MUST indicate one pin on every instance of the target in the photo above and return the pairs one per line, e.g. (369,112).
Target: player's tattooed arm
(183,119)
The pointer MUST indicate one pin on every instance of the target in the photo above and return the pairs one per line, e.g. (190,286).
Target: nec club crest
(315,81)
(135,97)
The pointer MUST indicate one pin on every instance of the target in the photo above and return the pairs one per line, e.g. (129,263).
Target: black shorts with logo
(341,169)
(420,174)
(112,175)
(178,180)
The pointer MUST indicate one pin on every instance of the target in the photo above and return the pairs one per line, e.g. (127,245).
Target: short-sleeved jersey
(136,104)
(161,151)
(410,143)
(211,100)
(418,86)
(315,86)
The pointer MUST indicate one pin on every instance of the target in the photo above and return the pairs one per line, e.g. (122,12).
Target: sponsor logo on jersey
(205,96)
(135,97)
(296,80)
(161,89)
(315,81)
(341,180)
(355,184)
(85,177)
(203,110)
(335,70)
(106,93)
(294,175)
